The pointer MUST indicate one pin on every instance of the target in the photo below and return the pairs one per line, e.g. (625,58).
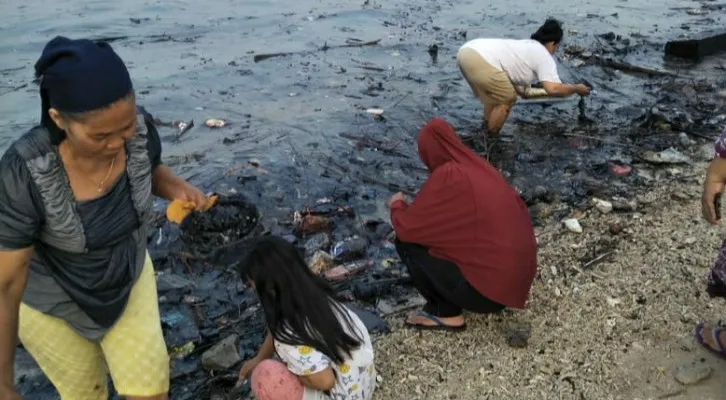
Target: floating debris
(183,127)
(215,123)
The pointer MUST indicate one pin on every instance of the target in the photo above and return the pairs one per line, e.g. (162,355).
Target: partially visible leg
(271,380)
(419,262)
(476,71)
(487,112)
(74,365)
(134,348)
(498,115)
(501,96)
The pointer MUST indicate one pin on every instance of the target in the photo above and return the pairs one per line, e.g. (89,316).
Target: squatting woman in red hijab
(466,238)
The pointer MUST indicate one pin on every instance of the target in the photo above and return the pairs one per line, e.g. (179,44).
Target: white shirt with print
(355,378)
(525,61)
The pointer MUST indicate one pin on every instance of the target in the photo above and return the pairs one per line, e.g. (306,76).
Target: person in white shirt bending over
(499,69)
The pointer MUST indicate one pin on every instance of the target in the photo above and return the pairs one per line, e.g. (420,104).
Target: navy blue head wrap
(78,76)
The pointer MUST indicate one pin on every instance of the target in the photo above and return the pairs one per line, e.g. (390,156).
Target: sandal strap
(431,317)
(716,335)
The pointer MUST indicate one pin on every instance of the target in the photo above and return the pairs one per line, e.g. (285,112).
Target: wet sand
(615,329)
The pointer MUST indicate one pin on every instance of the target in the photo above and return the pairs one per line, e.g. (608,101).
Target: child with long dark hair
(325,349)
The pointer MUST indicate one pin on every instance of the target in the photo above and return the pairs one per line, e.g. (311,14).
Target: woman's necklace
(108,174)
(100,185)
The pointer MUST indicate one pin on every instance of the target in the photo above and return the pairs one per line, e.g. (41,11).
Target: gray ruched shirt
(87,255)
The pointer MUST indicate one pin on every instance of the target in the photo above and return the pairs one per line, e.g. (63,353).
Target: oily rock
(692,373)
(350,249)
(573,225)
(223,355)
(319,241)
(623,204)
(603,206)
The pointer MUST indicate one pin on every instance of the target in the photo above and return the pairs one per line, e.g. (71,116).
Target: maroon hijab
(467,213)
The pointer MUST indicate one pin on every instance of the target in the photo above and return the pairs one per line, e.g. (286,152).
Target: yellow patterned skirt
(133,351)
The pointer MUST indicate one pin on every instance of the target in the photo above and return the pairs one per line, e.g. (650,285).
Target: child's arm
(266,351)
(268,348)
(323,380)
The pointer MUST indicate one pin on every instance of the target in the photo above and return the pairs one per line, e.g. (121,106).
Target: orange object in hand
(177,210)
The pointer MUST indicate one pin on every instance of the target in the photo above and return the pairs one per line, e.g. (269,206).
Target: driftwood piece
(626,67)
(265,56)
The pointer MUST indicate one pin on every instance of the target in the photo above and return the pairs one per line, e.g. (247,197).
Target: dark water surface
(303,118)
(194,60)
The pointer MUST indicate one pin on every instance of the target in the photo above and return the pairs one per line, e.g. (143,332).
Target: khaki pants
(491,85)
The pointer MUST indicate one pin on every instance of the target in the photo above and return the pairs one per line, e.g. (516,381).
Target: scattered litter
(215,123)
(603,206)
(573,225)
(667,156)
(619,169)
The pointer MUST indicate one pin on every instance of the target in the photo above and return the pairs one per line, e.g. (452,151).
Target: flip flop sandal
(440,326)
(720,350)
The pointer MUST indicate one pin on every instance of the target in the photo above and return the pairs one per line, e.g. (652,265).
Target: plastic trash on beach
(215,123)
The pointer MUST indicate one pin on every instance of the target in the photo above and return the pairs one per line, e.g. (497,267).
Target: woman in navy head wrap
(76,283)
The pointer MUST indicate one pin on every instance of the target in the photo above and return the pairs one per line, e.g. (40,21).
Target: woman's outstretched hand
(167,185)
(187,192)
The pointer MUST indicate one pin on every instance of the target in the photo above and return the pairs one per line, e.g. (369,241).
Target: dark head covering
(78,76)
